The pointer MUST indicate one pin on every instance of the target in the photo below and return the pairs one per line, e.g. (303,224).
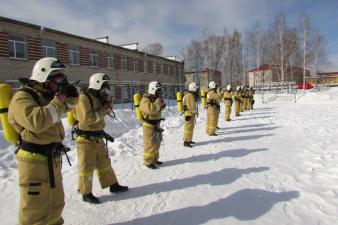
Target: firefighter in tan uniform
(92,151)
(213,109)
(190,114)
(151,106)
(35,112)
(251,95)
(237,101)
(227,98)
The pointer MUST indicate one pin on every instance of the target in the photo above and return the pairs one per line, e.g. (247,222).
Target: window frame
(70,55)
(46,47)
(94,57)
(136,68)
(13,42)
(124,62)
(145,65)
(110,61)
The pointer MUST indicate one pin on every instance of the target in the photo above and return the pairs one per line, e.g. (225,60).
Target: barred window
(17,47)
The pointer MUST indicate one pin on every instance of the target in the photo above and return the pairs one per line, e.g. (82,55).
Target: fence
(273,90)
(123,92)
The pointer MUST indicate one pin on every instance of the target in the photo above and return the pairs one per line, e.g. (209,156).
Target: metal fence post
(131,95)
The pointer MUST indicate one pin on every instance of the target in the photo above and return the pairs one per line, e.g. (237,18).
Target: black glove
(71,91)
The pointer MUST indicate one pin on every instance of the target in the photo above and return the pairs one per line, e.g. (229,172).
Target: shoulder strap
(34,95)
(90,99)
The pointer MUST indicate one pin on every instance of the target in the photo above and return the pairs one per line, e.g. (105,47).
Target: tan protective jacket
(150,109)
(227,96)
(190,103)
(38,124)
(213,97)
(91,118)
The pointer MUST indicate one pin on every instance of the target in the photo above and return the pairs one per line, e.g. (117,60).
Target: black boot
(90,198)
(151,166)
(158,163)
(192,142)
(218,128)
(187,144)
(116,188)
(213,134)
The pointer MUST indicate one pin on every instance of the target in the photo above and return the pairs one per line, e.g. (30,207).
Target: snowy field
(276,164)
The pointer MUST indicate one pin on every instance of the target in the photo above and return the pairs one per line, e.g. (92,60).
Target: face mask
(105,92)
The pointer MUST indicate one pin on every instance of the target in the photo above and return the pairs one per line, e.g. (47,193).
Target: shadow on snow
(246,204)
(221,177)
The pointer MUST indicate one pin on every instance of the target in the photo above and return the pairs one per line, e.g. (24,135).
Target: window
(135,64)
(74,55)
(145,66)
(94,58)
(48,48)
(110,62)
(17,47)
(124,62)
(154,67)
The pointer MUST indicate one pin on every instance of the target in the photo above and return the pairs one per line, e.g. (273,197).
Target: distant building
(22,44)
(269,73)
(204,77)
(328,78)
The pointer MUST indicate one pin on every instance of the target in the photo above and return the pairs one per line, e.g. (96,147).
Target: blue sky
(171,22)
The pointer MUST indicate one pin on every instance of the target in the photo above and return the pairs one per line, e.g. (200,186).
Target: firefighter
(237,101)
(251,94)
(35,112)
(213,109)
(227,97)
(92,152)
(241,98)
(190,113)
(151,106)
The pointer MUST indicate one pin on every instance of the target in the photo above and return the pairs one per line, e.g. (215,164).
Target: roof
(37,27)
(328,74)
(264,67)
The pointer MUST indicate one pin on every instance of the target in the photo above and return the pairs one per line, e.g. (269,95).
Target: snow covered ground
(276,164)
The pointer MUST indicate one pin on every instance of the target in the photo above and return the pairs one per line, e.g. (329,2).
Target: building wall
(167,71)
(205,77)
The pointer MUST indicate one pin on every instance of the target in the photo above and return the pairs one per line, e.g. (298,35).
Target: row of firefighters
(31,119)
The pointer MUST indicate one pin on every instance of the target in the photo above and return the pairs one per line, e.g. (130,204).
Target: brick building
(22,44)
(269,73)
(205,76)
(328,78)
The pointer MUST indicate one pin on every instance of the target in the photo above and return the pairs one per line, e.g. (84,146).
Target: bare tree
(154,49)
(193,55)
(212,46)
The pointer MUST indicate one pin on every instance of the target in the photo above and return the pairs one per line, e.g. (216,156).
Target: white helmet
(229,87)
(46,67)
(153,87)
(192,86)
(212,84)
(96,80)
(238,88)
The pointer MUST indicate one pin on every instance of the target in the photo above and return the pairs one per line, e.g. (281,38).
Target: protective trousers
(39,204)
(212,120)
(236,107)
(151,143)
(247,103)
(92,154)
(189,129)
(227,112)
